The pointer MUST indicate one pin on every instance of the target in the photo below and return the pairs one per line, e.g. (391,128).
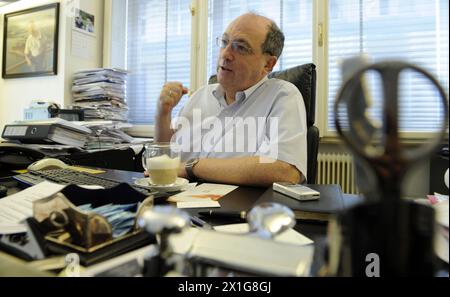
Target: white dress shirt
(266,120)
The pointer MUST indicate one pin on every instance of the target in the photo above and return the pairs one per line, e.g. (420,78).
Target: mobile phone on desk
(296,191)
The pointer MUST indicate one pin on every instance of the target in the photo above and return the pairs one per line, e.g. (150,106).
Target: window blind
(412,31)
(158,50)
(294,17)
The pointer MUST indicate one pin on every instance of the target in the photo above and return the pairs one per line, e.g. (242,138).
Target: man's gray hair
(274,43)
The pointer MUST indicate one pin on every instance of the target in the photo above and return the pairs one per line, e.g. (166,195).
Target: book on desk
(331,202)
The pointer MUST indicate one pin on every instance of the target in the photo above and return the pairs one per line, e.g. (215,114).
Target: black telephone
(16,156)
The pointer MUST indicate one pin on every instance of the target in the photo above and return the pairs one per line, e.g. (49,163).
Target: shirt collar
(219,92)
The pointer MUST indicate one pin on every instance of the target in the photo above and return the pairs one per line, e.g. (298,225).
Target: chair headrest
(304,78)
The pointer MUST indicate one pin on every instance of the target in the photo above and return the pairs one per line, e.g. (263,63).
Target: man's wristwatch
(189,167)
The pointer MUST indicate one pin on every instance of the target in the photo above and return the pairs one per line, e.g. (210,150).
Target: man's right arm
(163,131)
(169,97)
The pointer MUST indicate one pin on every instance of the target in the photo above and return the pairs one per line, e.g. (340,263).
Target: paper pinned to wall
(83,45)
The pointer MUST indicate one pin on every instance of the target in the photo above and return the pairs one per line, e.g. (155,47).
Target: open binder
(53,130)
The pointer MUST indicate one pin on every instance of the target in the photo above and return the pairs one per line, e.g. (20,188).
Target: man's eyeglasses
(237,46)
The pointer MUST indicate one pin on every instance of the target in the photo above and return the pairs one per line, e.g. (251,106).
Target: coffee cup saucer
(179,184)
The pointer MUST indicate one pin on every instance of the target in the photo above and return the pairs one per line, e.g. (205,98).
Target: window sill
(145,131)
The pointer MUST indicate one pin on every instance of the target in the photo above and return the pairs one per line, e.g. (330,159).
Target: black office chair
(304,78)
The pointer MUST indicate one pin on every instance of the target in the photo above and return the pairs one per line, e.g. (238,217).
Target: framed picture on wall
(84,22)
(30,42)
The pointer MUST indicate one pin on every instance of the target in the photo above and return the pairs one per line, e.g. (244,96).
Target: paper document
(288,236)
(83,45)
(15,208)
(182,242)
(205,195)
(245,253)
(198,204)
(203,192)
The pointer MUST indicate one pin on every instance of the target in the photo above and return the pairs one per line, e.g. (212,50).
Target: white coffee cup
(163,170)
(161,160)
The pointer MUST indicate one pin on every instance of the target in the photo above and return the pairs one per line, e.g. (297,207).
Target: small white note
(203,192)
(198,204)
(288,236)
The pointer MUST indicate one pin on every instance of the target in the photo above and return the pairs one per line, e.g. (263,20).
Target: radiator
(337,169)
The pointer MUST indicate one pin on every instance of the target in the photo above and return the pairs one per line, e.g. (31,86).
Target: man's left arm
(254,171)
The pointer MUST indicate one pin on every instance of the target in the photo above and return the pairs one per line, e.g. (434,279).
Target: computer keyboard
(70,176)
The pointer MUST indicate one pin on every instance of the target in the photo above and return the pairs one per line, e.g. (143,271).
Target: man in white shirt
(247,129)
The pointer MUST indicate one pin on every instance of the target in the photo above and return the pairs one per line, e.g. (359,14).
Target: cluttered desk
(238,200)
(201,241)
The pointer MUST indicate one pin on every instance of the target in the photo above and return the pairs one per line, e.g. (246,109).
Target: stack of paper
(106,134)
(53,130)
(70,125)
(291,256)
(101,92)
(67,137)
(54,150)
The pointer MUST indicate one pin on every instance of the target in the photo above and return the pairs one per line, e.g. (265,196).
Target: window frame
(199,50)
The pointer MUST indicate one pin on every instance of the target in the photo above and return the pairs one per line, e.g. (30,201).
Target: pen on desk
(224,214)
(200,223)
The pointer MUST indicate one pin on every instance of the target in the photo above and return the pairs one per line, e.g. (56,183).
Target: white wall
(17,93)
(75,63)
(115,20)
